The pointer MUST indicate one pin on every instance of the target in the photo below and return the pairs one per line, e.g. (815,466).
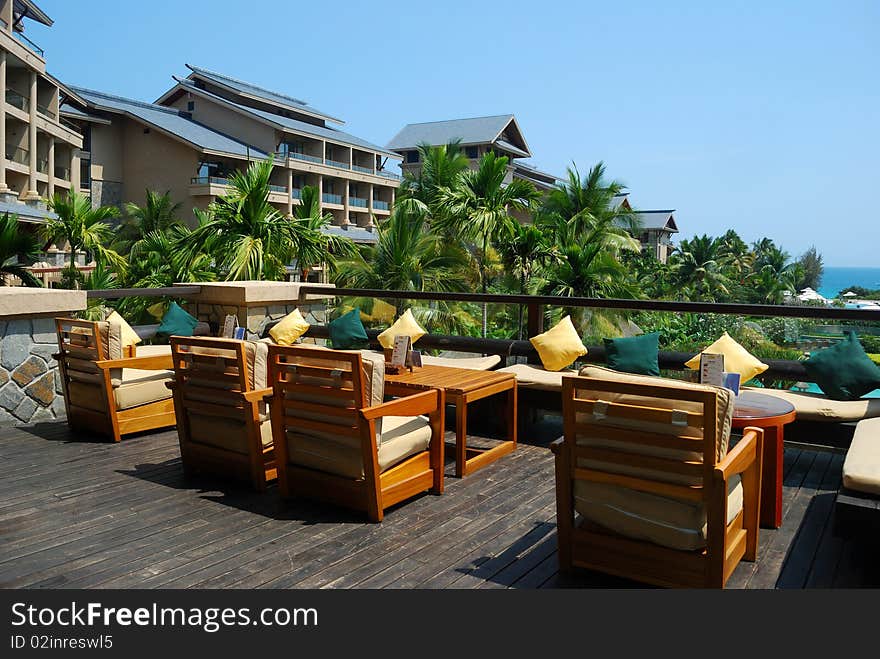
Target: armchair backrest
(318,392)
(650,434)
(208,366)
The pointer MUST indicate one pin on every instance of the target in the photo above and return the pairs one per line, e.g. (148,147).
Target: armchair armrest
(556,445)
(423,402)
(152,363)
(741,457)
(258,395)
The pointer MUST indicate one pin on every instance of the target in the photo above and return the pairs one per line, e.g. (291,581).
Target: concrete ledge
(253,293)
(20,302)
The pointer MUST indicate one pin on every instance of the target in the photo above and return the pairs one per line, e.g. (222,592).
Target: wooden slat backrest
(659,438)
(208,368)
(80,339)
(318,392)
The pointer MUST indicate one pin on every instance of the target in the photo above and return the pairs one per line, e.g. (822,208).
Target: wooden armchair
(337,441)
(107,388)
(222,417)
(645,486)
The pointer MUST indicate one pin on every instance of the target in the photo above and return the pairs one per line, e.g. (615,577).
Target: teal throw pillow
(634,354)
(844,371)
(347,332)
(177,322)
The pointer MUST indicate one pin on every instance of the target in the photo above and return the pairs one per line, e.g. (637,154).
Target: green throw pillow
(634,354)
(177,322)
(844,371)
(347,332)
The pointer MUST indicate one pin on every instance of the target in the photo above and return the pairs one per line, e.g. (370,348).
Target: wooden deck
(81,514)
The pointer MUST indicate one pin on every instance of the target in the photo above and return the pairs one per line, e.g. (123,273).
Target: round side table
(752,408)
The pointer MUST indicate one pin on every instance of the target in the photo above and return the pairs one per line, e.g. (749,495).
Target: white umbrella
(849,294)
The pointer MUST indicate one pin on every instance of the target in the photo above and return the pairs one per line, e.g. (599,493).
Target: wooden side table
(463,386)
(770,413)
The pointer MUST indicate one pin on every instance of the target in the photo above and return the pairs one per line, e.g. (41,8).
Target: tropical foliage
(18,248)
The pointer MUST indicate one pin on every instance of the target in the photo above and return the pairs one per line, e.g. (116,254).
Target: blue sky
(760,116)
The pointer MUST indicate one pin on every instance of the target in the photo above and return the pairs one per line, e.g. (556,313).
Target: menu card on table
(712,369)
(400,353)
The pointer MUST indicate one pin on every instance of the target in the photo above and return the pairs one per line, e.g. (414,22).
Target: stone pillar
(74,170)
(51,167)
(392,196)
(370,206)
(31,194)
(290,192)
(345,207)
(3,186)
(320,193)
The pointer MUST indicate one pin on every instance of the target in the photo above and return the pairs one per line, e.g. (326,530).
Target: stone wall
(256,318)
(30,388)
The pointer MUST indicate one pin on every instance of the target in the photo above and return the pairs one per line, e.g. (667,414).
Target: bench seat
(817,407)
(861,468)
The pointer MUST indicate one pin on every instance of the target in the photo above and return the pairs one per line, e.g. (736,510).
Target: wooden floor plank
(82,513)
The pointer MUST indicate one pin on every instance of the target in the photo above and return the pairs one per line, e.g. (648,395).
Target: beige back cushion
(595,438)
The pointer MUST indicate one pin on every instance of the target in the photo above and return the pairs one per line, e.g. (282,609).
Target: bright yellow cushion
(406,325)
(560,346)
(736,358)
(289,328)
(129,336)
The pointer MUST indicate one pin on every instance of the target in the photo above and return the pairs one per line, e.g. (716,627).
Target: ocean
(835,280)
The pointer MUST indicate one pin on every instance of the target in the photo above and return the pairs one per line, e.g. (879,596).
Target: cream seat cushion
(537,377)
(153,351)
(472,363)
(818,407)
(861,468)
(663,520)
(669,522)
(226,433)
(402,436)
(139,387)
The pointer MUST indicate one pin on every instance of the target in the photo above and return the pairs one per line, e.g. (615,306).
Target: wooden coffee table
(771,414)
(463,386)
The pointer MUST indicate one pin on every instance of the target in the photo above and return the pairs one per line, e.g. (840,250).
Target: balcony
(385,174)
(337,164)
(209,180)
(17,100)
(19,155)
(302,156)
(360,202)
(331,198)
(46,111)
(62,172)
(296,193)
(380,205)
(278,188)
(42,165)
(364,170)
(30,44)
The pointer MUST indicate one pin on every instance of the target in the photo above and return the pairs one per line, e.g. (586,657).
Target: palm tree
(697,267)
(406,257)
(159,213)
(590,200)
(478,210)
(441,168)
(312,245)
(248,237)
(15,244)
(527,250)
(83,228)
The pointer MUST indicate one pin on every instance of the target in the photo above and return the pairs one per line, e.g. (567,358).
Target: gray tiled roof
(477,130)
(26,213)
(33,11)
(265,94)
(77,113)
(171,121)
(657,220)
(295,124)
(617,200)
(357,234)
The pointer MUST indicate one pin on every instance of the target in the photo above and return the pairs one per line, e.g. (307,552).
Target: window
(190,106)
(299,181)
(472,152)
(85,173)
(209,169)
(353,189)
(87,137)
(412,156)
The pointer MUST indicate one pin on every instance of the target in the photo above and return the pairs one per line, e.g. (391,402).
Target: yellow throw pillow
(129,336)
(560,346)
(405,325)
(289,328)
(736,358)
